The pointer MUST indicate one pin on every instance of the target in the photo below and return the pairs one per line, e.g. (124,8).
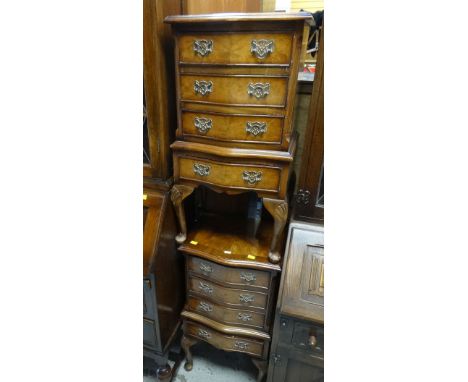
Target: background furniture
(163,287)
(163,292)
(298,342)
(309,198)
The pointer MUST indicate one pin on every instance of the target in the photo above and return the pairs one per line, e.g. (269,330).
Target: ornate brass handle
(244,317)
(258,89)
(201,169)
(204,333)
(203,47)
(261,48)
(252,177)
(203,124)
(256,128)
(246,298)
(205,268)
(247,276)
(205,288)
(203,87)
(313,341)
(241,345)
(205,306)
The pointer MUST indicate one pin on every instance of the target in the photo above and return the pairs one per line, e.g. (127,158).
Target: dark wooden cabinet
(159,93)
(309,199)
(297,350)
(163,285)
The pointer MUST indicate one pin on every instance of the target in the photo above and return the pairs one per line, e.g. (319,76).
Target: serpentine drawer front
(225,315)
(222,341)
(231,175)
(237,277)
(235,90)
(236,298)
(235,48)
(232,128)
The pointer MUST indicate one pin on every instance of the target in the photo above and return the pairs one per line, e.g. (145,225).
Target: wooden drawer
(232,128)
(225,342)
(225,315)
(236,298)
(234,276)
(228,175)
(234,89)
(235,48)
(308,337)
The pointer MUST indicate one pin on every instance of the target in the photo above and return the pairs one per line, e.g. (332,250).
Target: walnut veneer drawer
(232,128)
(222,341)
(233,276)
(234,89)
(225,315)
(229,175)
(236,298)
(235,48)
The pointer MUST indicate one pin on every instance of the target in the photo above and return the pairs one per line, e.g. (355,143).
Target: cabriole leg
(178,193)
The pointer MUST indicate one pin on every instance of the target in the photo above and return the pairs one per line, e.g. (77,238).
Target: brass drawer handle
(261,48)
(256,128)
(203,124)
(204,333)
(203,87)
(246,298)
(203,47)
(205,268)
(241,345)
(205,288)
(313,341)
(205,306)
(258,89)
(244,317)
(247,276)
(252,177)
(201,169)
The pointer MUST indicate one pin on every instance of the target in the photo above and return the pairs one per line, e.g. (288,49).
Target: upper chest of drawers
(236,78)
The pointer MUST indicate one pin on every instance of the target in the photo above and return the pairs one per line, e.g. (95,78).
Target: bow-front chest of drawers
(236,78)
(231,290)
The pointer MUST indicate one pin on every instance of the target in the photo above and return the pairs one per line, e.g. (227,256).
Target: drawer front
(222,341)
(225,315)
(235,90)
(250,129)
(236,48)
(236,298)
(149,333)
(230,175)
(234,276)
(308,337)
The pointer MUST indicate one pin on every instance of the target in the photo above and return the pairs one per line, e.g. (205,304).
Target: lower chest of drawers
(237,298)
